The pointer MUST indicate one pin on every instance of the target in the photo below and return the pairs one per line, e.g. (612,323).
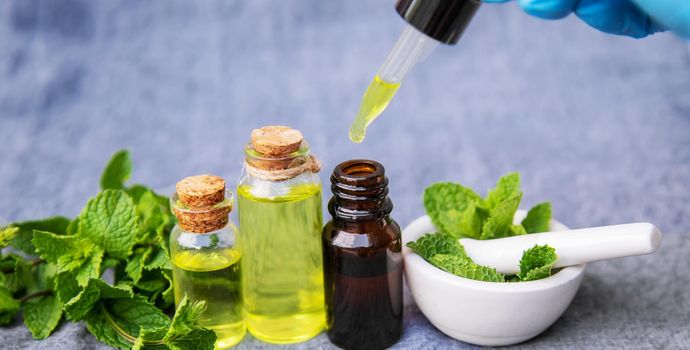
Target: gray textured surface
(599,125)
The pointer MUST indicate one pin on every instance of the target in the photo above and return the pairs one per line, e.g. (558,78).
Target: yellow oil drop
(375,100)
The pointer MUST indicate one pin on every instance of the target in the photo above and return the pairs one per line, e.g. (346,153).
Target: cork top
(275,140)
(200,203)
(201,190)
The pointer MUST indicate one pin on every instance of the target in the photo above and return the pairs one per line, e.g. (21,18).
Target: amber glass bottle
(362,259)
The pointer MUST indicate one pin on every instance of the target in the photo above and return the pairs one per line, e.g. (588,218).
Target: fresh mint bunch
(60,263)
(459,212)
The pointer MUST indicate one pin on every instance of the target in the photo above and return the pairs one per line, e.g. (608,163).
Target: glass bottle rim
(359,170)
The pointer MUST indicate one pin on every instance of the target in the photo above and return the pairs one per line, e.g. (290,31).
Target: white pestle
(573,247)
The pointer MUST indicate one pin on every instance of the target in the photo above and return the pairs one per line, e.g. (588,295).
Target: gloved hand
(635,18)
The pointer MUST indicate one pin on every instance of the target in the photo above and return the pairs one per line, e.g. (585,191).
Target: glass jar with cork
(205,257)
(279,199)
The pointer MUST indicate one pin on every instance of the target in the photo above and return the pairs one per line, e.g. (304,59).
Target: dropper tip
(356,134)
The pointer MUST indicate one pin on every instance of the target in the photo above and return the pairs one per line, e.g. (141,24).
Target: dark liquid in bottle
(362,262)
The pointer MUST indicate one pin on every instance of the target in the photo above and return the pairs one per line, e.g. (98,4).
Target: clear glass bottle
(206,262)
(362,260)
(279,199)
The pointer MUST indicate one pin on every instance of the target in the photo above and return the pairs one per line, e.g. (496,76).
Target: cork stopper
(201,190)
(276,141)
(200,204)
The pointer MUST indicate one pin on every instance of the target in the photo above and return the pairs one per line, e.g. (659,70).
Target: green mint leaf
(66,286)
(8,306)
(437,243)
(156,286)
(517,230)
(155,218)
(159,260)
(73,227)
(507,187)
(442,197)
(95,290)
(538,218)
(41,316)
(90,268)
(117,172)
(198,339)
(537,274)
(119,322)
(152,282)
(168,294)
(536,262)
(185,333)
(15,273)
(464,267)
(22,240)
(43,278)
(79,306)
(109,221)
(136,263)
(186,317)
(54,248)
(464,224)
(70,253)
(137,191)
(501,218)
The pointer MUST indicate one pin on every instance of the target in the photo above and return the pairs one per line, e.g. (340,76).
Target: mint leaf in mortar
(536,262)
(464,267)
(508,186)
(538,218)
(454,209)
(501,218)
(437,243)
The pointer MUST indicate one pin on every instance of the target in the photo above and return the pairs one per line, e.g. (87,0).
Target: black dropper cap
(443,20)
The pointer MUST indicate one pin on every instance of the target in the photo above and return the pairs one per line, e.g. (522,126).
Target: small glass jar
(206,266)
(280,215)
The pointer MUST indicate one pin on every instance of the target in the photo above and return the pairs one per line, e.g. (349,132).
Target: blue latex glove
(635,18)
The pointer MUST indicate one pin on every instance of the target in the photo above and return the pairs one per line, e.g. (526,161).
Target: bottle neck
(360,192)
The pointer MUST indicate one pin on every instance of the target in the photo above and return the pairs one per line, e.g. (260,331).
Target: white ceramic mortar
(487,313)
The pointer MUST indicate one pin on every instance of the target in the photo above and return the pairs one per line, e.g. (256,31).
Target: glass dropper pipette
(430,22)
(412,47)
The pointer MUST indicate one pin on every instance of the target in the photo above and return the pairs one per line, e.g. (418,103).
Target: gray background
(597,124)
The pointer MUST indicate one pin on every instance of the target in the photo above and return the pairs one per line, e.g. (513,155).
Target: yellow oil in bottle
(375,100)
(214,277)
(282,263)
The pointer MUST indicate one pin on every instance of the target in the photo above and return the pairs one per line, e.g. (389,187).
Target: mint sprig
(60,273)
